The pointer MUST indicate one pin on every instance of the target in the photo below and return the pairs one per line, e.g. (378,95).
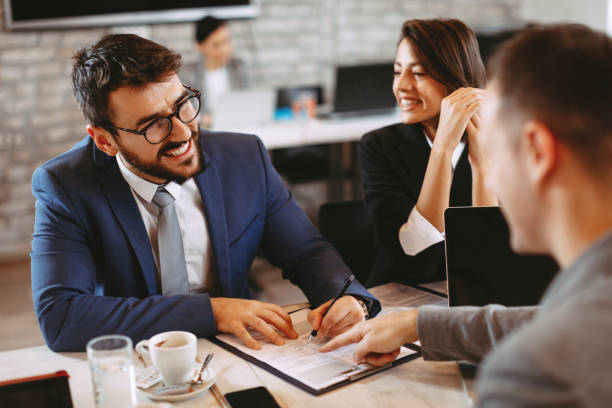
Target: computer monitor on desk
(250,107)
(481,266)
(363,89)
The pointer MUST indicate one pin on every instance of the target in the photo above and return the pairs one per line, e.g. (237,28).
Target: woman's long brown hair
(448,51)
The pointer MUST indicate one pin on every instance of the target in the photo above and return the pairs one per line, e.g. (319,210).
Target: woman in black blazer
(414,170)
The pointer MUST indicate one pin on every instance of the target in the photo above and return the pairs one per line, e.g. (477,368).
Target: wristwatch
(364,307)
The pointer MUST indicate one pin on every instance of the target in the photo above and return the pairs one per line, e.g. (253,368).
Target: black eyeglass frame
(143,132)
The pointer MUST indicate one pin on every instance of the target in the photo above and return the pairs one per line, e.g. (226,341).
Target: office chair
(347,226)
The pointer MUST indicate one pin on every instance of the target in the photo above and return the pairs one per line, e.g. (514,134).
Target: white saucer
(208,376)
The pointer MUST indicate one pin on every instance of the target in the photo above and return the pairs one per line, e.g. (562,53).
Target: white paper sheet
(303,361)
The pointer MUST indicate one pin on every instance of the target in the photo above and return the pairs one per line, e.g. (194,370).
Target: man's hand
(379,339)
(345,314)
(235,315)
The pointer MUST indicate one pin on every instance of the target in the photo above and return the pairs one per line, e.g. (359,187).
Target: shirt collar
(144,188)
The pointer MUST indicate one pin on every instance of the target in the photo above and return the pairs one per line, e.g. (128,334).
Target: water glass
(112,371)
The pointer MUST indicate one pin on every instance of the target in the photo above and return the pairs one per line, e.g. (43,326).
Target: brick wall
(292,42)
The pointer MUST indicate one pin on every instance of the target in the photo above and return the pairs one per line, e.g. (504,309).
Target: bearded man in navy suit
(96,251)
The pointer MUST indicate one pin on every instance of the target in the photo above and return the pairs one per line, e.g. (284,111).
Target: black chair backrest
(347,226)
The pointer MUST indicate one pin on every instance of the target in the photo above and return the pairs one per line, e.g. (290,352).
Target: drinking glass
(112,371)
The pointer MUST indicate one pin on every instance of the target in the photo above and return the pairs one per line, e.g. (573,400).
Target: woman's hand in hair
(474,139)
(481,195)
(455,113)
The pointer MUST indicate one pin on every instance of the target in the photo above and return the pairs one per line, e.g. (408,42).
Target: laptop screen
(362,88)
(481,267)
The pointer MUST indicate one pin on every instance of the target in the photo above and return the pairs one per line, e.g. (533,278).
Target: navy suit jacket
(92,265)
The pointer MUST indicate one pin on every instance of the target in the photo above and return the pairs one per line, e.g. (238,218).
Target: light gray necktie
(170,244)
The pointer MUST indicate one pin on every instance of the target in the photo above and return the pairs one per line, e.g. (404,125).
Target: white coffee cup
(173,354)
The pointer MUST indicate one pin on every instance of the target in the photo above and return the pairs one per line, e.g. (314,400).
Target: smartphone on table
(258,397)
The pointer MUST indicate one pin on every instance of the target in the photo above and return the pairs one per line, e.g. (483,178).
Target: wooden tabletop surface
(417,383)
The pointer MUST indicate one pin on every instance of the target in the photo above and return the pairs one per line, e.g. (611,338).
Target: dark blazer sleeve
(293,244)
(68,275)
(387,199)
(392,168)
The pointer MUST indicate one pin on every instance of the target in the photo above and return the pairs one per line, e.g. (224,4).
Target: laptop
(482,268)
(237,109)
(364,89)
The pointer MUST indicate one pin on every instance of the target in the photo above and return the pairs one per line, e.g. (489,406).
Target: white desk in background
(417,383)
(295,133)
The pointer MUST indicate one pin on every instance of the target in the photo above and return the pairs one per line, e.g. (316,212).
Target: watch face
(363,307)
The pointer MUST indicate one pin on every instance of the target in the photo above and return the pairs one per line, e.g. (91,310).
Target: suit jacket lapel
(413,156)
(414,152)
(461,188)
(124,206)
(212,196)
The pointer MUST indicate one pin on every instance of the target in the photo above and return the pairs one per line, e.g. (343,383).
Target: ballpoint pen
(347,282)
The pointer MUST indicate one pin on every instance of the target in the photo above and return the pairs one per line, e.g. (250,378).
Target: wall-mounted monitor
(45,14)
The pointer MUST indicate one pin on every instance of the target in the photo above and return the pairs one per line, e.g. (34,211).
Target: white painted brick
(26,89)
(51,102)
(18,40)
(21,156)
(80,38)
(55,118)
(5,144)
(26,55)
(59,86)
(51,38)
(17,106)
(171,31)
(51,69)
(17,173)
(10,73)
(57,134)
(14,122)
(21,190)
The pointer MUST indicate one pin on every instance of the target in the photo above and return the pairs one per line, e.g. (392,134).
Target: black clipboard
(313,391)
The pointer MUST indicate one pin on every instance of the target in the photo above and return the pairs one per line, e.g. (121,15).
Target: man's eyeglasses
(158,130)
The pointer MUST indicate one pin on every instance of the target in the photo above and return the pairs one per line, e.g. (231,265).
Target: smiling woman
(414,170)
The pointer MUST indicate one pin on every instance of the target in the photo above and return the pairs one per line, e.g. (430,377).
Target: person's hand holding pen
(336,315)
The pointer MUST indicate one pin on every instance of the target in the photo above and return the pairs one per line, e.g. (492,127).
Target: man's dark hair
(560,75)
(206,27)
(113,62)
(448,50)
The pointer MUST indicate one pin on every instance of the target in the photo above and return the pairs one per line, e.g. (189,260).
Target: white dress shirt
(217,83)
(192,221)
(418,234)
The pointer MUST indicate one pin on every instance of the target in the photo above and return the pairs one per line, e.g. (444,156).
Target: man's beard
(161,172)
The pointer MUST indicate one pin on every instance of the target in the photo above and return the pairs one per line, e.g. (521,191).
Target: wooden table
(417,383)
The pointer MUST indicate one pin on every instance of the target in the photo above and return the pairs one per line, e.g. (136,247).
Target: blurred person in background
(217,72)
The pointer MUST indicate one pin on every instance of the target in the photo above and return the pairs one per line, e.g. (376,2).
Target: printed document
(303,361)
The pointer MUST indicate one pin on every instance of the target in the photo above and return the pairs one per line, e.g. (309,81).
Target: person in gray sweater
(547,133)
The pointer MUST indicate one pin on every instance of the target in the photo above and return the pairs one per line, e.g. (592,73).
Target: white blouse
(418,234)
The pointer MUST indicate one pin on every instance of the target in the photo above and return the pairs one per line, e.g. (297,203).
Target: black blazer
(393,161)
